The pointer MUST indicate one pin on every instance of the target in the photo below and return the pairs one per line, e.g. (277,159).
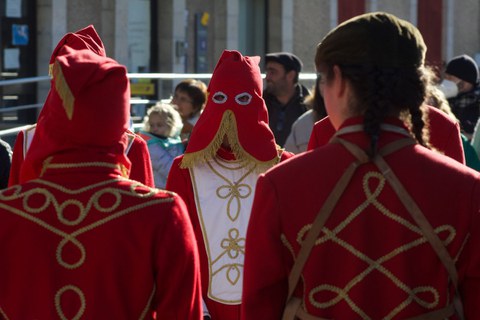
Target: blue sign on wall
(20,35)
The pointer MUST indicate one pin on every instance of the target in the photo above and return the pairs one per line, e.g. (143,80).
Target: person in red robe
(81,240)
(367,226)
(216,176)
(444,134)
(137,150)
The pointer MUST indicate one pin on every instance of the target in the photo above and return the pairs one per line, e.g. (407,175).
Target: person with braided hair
(444,129)
(368,226)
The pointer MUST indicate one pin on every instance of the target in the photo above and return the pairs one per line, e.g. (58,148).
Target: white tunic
(224,193)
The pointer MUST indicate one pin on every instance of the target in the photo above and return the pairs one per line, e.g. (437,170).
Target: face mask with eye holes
(234,106)
(242,99)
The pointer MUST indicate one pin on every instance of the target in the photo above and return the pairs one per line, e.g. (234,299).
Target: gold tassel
(228,127)
(63,90)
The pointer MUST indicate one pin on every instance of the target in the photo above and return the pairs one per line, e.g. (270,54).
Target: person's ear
(291,75)
(339,81)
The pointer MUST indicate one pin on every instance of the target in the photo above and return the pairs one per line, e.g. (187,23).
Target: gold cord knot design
(39,205)
(58,302)
(446,233)
(234,245)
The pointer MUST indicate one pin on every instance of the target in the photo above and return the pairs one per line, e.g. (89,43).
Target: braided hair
(383,59)
(380,92)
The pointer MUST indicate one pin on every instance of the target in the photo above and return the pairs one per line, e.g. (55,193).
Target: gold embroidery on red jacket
(81,297)
(417,294)
(104,199)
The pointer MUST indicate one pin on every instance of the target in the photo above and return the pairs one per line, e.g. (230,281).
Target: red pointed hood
(87,108)
(86,38)
(234,108)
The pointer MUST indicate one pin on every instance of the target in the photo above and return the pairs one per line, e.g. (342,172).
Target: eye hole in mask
(243,98)
(219,97)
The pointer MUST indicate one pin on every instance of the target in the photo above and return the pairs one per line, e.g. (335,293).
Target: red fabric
(143,241)
(17,160)
(83,39)
(444,134)
(233,76)
(179,181)
(322,132)
(368,223)
(235,108)
(89,123)
(86,38)
(94,82)
(141,169)
(139,156)
(80,241)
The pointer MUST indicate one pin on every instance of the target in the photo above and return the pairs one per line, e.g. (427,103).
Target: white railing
(309,77)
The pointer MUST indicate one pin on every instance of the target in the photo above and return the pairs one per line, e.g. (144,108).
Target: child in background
(162,126)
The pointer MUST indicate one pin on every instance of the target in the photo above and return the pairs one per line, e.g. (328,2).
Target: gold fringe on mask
(63,90)
(228,127)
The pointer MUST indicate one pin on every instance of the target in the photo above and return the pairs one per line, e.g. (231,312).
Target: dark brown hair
(196,90)
(385,82)
(315,102)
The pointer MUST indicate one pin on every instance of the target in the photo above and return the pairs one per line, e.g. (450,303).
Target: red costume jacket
(83,242)
(137,153)
(180,181)
(444,134)
(371,260)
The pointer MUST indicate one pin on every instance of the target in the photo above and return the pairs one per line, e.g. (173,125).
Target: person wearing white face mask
(461,87)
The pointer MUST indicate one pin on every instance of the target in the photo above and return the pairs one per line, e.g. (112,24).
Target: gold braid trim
(81,296)
(228,127)
(48,165)
(63,90)
(149,303)
(50,70)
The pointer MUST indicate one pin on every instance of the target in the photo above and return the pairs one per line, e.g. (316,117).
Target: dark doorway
(18,59)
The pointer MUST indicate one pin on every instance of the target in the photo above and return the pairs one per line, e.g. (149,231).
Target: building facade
(188,36)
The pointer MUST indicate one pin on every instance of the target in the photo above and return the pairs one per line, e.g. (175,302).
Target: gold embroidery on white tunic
(224,196)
